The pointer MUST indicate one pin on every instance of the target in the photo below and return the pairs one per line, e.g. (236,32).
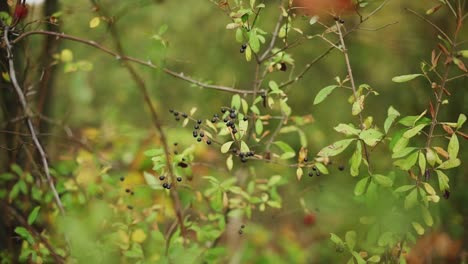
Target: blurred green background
(105,107)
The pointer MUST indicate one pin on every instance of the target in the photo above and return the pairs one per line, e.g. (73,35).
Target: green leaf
(254,41)
(336,239)
(374,259)
(248,53)
(392,114)
(411,199)
(406,164)
(274,180)
(151,180)
(449,164)
(400,144)
(418,227)
(33,215)
(427,217)
(371,136)
(24,233)
(313,20)
(382,180)
(154,152)
(411,121)
(463,53)
(461,120)
(403,153)
(453,147)
(358,258)
(350,239)
(244,147)
(422,162)
(299,173)
(404,188)
(335,148)
(360,186)
(236,102)
(413,131)
(321,168)
(431,157)
(347,129)
(356,159)
(405,78)
(258,127)
(358,106)
(233,25)
(443,180)
(288,152)
(285,107)
(229,162)
(324,93)
(226,146)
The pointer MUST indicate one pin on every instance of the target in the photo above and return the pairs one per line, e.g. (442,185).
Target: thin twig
(29,123)
(432,24)
(273,38)
(138,79)
(123,57)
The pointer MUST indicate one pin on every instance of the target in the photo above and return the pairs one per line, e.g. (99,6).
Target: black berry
(177,118)
(314,168)
(202,134)
(176,113)
(122,178)
(233,115)
(311,173)
(199,121)
(169,186)
(208,142)
(199,139)
(242,226)
(341,21)
(130,207)
(241,232)
(171,111)
(179,179)
(306,159)
(127,190)
(184,115)
(244,46)
(341,168)
(245,118)
(196,127)
(165,185)
(162,177)
(195,133)
(213,120)
(223,110)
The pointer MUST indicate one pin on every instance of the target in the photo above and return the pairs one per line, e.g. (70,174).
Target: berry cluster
(314,169)
(339,20)
(241,230)
(199,134)
(243,47)
(244,155)
(177,115)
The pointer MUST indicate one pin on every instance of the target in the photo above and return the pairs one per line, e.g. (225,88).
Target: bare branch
(120,56)
(26,110)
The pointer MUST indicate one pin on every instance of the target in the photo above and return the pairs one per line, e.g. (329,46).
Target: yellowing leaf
(93,23)
(66,55)
(138,236)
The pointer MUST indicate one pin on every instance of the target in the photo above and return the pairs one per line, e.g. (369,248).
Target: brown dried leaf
(442,152)
(448,129)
